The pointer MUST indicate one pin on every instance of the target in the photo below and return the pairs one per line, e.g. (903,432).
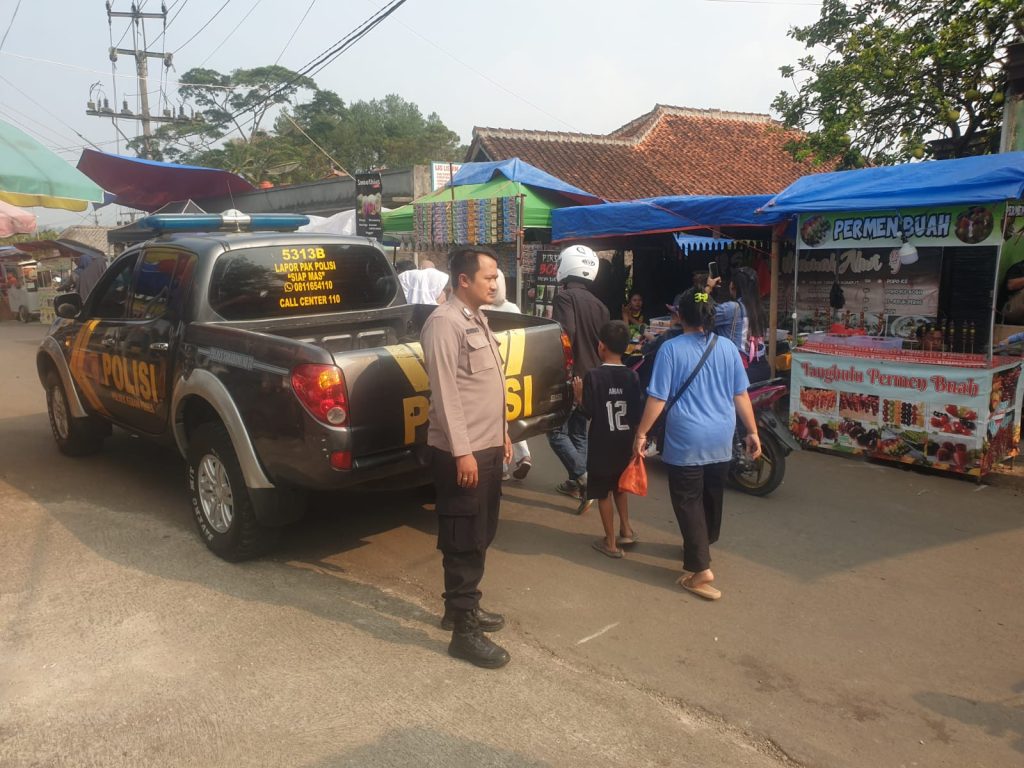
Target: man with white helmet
(581,315)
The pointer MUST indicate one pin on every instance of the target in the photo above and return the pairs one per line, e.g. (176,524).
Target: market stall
(506,205)
(699,229)
(895,290)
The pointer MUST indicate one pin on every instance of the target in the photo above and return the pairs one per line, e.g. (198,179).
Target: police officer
(468,439)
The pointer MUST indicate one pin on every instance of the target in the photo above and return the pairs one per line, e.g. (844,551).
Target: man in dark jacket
(581,315)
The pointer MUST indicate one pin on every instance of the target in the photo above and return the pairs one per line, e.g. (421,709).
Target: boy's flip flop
(702,590)
(625,541)
(602,546)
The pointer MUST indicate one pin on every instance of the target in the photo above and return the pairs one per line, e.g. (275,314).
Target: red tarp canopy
(148,184)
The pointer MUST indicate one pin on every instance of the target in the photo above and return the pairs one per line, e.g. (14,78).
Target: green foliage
(308,141)
(41,234)
(383,133)
(890,77)
(232,105)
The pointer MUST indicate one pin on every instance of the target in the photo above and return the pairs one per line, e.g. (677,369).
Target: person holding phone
(703,377)
(742,319)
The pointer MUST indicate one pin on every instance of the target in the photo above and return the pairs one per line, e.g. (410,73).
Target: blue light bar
(229,221)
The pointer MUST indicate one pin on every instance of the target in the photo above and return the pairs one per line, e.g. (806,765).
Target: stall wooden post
(773,297)
(519,248)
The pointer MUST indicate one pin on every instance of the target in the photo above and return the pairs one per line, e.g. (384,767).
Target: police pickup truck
(277,361)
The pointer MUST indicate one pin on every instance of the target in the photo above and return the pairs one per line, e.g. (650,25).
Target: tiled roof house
(668,151)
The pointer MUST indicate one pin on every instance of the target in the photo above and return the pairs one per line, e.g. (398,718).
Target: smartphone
(713,269)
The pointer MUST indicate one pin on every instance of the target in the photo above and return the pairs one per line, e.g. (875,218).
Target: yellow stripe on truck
(78,366)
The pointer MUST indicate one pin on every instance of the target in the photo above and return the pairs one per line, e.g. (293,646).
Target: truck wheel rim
(60,413)
(215,495)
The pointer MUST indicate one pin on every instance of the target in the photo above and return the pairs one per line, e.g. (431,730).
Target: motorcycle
(761,476)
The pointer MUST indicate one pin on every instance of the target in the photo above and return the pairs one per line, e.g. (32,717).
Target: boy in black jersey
(610,397)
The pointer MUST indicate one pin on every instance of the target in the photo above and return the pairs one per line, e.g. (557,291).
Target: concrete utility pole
(142,58)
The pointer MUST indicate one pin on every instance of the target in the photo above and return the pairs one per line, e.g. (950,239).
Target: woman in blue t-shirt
(699,429)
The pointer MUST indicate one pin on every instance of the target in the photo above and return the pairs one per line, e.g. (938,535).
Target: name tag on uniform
(472,330)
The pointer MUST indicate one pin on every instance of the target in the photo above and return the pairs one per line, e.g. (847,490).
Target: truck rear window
(285,281)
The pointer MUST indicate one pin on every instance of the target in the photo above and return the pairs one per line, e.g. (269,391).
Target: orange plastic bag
(634,477)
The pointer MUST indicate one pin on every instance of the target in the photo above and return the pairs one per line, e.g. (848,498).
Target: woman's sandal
(704,590)
(602,546)
(625,541)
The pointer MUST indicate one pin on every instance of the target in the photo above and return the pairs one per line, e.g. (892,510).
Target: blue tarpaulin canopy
(984,179)
(659,214)
(524,173)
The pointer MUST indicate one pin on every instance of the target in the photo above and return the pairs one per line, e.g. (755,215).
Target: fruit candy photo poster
(947,418)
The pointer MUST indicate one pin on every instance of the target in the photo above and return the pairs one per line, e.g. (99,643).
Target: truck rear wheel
(221,503)
(74,437)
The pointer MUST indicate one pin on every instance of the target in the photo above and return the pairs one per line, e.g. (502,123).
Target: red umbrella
(15,221)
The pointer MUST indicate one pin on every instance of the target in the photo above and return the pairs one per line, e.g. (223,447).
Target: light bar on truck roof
(229,221)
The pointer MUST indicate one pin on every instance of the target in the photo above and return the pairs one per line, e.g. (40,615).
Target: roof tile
(668,151)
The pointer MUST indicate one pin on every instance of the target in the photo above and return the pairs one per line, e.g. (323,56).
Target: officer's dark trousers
(467,519)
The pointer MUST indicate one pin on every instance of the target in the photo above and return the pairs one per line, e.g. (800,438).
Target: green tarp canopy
(537,205)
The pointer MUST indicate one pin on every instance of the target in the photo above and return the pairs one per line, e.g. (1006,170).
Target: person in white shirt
(424,285)
(522,461)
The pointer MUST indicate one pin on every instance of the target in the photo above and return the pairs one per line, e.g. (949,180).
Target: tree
(382,133)
(225,106)
(900,79)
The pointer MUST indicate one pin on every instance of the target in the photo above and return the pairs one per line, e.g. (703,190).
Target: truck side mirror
(67,305)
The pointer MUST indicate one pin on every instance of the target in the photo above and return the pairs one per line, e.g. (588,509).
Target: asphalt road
(871,616)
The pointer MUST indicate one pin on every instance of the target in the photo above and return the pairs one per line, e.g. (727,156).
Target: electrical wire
(295,31)
(65,65)
(173,18)
(199,31)
(10,24)
(56,117)
(232,32)
(19,119)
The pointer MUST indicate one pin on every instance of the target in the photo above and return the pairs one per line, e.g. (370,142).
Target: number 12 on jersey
(616,415)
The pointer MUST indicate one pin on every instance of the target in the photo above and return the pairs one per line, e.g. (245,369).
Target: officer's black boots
(489,622)
(470,643)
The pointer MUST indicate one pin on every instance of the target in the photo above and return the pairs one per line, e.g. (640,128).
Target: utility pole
(142,57)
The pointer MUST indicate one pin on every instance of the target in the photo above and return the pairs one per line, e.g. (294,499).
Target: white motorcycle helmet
(577,261)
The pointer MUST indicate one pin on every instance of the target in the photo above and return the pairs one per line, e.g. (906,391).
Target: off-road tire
(74,437)
(244,538)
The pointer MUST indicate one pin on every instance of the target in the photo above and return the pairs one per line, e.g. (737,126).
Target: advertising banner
(442,173)
(956,420)
(941,226)
(545,284)
(368,206)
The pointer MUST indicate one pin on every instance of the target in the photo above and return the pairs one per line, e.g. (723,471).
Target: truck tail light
(321,388)
(567,353)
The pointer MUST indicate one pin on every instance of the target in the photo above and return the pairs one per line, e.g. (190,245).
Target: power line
(167,24)
(295,31)
(226,3)
(232,32)
(61,121)
(47,142)
(10,24)
(65,65)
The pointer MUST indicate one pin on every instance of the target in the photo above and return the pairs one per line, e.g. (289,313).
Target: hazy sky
(586,65)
